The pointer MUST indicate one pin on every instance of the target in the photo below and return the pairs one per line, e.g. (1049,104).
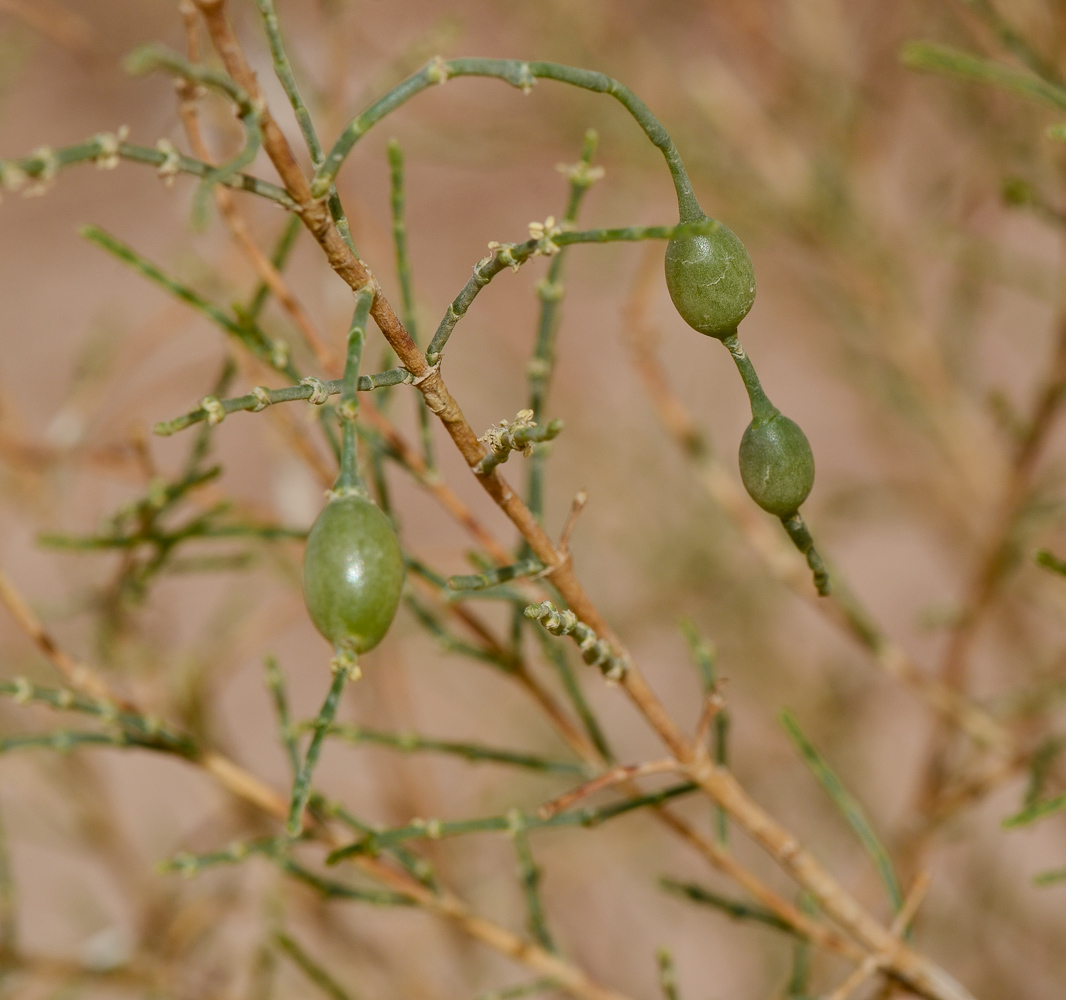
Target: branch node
(319,390)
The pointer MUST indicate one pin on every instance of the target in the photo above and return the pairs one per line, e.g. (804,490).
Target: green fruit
(776,464)
(353,573)
(711,281)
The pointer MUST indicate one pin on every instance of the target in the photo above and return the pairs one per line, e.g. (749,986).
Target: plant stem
(349,480)
(521,75)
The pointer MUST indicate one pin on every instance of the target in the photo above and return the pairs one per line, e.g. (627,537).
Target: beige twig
(614,776)
(577,505)
(712,705)
(77,675)
(872,963)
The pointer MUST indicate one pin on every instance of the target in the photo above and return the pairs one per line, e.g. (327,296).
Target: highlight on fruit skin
(353,573)
(777,464)
(711,281)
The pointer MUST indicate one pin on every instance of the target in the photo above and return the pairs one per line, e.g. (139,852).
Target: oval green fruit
(777,465)
(711,281)
(353,573)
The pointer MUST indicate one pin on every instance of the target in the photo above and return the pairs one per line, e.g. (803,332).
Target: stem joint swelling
(520,434)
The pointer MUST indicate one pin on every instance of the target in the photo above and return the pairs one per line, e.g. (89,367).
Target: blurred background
(907,317)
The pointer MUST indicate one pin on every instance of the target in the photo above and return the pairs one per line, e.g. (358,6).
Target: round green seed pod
(777,465)
(353,573)
(711,281)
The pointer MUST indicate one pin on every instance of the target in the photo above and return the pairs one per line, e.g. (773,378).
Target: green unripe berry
(711,281)
(353,573)
(776,464)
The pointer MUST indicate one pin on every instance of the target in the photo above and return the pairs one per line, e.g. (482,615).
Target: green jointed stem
(551,291)
(1037,811)
(338,890)
(146,728)
(513,255)
(849,808)
(276,683)
(413,863)
(945,59)
(736,909)
(721,757)
(451,643)
(556,655)
(192,864)
(250,336)
(521,990)
(667,974)
(263,397)
(529,875)
(522,75)
(474,752)
(495,576)
(283,71)
(594,650)
(349,479)
(278,258)
(8,901)
(440,829)
(801,538)
(705,656)
(301,788)
(407,297)
(67,739)
(41,166)
(149,58)
(311,968)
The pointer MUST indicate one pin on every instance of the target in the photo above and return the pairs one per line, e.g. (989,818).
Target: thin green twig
(736,909)
(263,397)
(348,479)
(279,258)
(310,967)
(667,974)
(474,752)
(557,657)
(522,75)
(148,730)
(848,807)
(936,58)
(41,166)
(435,829)
(251,337)
(1037,811)
(286,733)
(529,874)
(407,296)
(301,787)
(513,255)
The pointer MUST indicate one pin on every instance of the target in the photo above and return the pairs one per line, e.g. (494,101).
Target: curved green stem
(762,409)
(522,75)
